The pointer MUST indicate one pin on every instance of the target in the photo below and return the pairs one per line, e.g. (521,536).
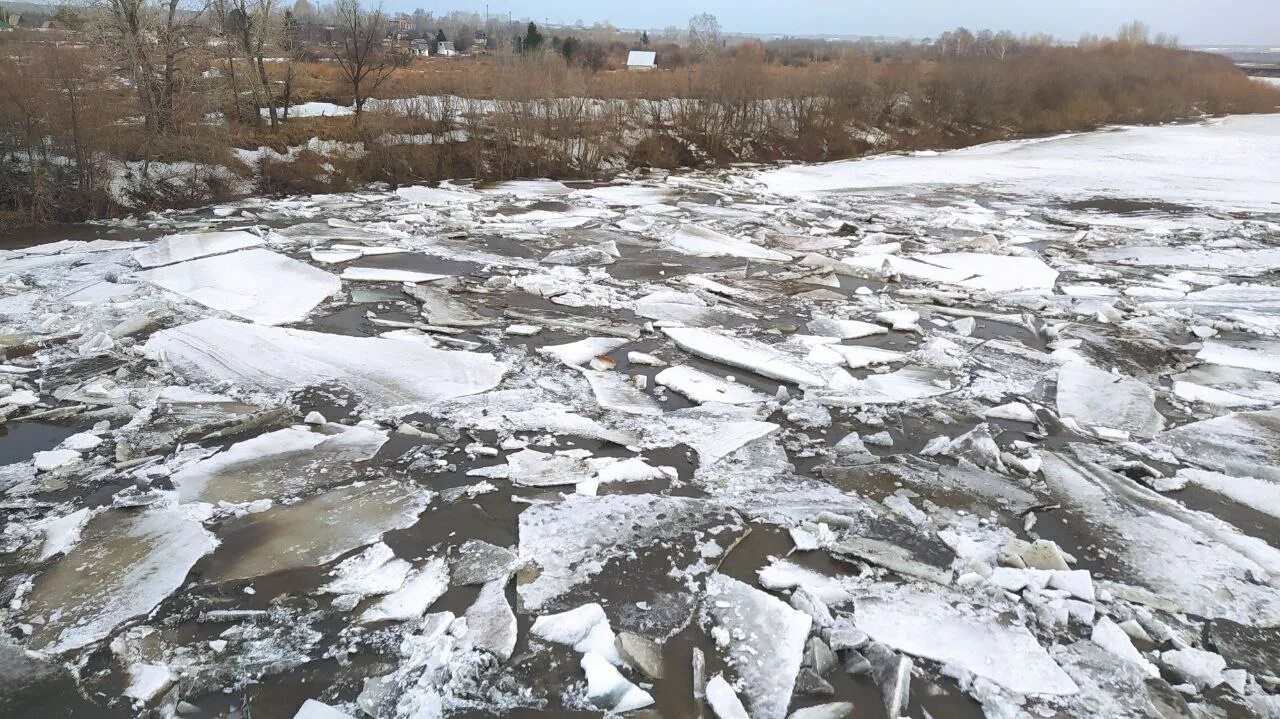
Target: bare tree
(358,46)
(704,35)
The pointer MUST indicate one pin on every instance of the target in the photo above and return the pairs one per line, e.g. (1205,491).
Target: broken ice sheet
(314,531)
(615,392)
(258,285)
(762,639)
(383,372)
(974,271)
(1097,398)
(655,545)
(179,248)
(747,354)
(702,387)
(929,623)
(1261,355)
(125,564)
(703,242)
(1166,552)
(287,462)
(1243,444)
(904,385)
(421,588)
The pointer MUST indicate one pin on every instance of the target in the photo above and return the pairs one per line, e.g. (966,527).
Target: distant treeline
(139,108)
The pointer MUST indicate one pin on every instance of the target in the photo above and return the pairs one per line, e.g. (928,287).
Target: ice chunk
(258,285)
(62,533)
(1160,539)
(374,571)
(148,681)
(420,590)
(287,462)
(682,308)
(1262,355)
(1201,668)
(378,274)
(628,195)
(576,354)
(747,354)
(702,387)
(608,689)
(1243,444)
(436,197)
(926,624)
(586,629)
(1108,635)
(312,709)
(125,564)
(904,385)
(1097,398)
(491,625)
(479,562)
(1258,494)
(383,372)
(844,329)
(971,270)
(574,540)
(616,393)
(723,700)
(702,242)
(763,639)
(54,459)
(180,248)
(315,531)
(441,308)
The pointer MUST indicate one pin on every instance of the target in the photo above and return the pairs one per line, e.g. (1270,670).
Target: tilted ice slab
(1191,257)
(762,639)
(702,387)
(383,372)
(702,242)
(315,531)
(287,462)
(258,285)
(1243,444)
(1170,553)
(628,195)
(1261,355)
(971,270)
(436,197)
(745,353)
(1166,163)
(1097,398)
(904,385)
(925,624)
(125,564)
(1257,306)
(576,539)
(189,246)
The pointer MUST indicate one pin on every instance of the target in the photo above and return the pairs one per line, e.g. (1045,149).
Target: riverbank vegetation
(145,106)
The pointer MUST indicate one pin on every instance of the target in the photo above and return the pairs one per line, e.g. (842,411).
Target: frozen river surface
(993,432)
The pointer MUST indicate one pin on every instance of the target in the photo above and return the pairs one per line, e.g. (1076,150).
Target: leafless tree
(704,35)
(358,46)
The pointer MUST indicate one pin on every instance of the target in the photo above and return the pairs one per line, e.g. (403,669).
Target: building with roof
(642,60)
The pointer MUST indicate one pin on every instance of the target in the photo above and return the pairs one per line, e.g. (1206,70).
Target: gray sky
(1240,22)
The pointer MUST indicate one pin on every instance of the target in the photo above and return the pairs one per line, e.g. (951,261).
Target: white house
(641,60)
(444,48)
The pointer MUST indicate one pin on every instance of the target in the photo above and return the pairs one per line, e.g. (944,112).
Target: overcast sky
(1240,22)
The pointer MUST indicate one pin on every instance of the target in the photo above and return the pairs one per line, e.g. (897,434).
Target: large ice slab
(1165,163)
(971,270)
(1097,398)
(762,639)
(702,242)
(383,372)
(573,541)
(258,285)
(287,462)
(1242,444)
(314,531)
(188,246)
(1169,553)
(745,353)
(925,624)
(125,564)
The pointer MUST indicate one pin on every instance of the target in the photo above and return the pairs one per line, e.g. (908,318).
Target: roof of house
(641,58)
